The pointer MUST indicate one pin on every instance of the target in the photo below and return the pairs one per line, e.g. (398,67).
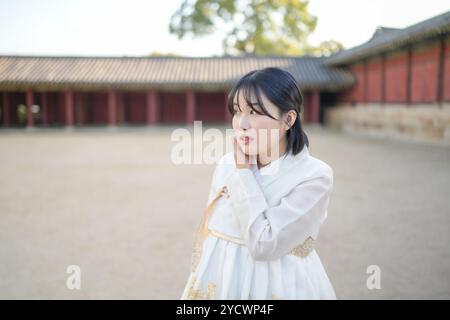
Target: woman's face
(257,133)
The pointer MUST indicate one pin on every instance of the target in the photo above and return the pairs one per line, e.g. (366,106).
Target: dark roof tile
(387,39)
(178,73)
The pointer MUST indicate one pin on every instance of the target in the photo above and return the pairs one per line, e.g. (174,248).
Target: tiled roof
(388,39)
(172,73)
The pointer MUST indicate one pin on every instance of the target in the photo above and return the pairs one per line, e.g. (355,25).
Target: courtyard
(113,203)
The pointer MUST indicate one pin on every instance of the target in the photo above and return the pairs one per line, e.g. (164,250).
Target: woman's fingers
(240,157)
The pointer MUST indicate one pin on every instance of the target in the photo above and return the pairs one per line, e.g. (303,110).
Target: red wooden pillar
(366,81)
(44,115)
(152,107)
(409,76)
(314,106)
(383,79)
(112,108)
(29,103)
(305,111)
(228,117)
(5,109)
(68,114)
(441,71)
(190,106)
(309,116)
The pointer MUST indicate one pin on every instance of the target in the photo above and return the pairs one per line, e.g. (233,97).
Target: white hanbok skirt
(226,270)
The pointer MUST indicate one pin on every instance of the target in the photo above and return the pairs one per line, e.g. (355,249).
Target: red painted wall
(55,108)
(100,108)
(306,106)
(173,107)
(425,61)
(446,93)
(210,106)
(311,112)
(87,104)
(14,100)
(357,92)
(134,105)
(396,77)
(345,96)
(85,108)
(374,78)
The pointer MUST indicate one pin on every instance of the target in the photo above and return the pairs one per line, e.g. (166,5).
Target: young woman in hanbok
(267,200)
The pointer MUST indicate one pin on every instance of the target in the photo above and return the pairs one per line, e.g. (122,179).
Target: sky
(140,27)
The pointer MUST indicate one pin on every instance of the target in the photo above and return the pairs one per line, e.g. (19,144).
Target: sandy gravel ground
(112,202)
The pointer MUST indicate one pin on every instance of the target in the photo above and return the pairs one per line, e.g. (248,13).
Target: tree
(272,27)
(325,48)
(161,54)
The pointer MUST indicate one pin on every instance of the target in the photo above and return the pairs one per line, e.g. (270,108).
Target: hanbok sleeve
(272,232)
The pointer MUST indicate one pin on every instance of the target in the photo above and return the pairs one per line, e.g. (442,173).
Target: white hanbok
(260,234)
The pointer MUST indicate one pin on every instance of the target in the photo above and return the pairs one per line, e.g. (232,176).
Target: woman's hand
(242,160)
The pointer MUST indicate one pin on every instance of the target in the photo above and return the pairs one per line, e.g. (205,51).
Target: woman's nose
(244,123)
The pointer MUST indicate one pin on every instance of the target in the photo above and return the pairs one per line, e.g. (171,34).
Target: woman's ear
(291,116)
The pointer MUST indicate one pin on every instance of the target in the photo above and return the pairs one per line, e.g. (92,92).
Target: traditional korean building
(398,81)
(114,91)
(402,82)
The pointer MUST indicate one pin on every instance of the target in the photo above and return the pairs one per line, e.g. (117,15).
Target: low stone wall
(426,123)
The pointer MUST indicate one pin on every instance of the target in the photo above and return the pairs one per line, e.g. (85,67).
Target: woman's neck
(264,160)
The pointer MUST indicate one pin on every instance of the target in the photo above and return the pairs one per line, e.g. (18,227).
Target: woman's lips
(245,139)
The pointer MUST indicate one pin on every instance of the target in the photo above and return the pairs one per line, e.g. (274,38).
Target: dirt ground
(113,203)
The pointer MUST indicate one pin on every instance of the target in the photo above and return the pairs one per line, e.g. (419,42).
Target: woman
(268,198)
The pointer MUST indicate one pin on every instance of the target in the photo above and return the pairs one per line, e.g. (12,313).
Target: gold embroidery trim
(201,294)
(226,237)
(301,251)
(203,231)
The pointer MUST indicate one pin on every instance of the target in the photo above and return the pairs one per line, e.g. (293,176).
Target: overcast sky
(139,27)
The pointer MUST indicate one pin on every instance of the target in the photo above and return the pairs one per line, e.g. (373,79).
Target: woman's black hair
(281,89)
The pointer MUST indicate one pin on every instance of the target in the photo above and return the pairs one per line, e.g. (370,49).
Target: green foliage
(326,48)
(272,27)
